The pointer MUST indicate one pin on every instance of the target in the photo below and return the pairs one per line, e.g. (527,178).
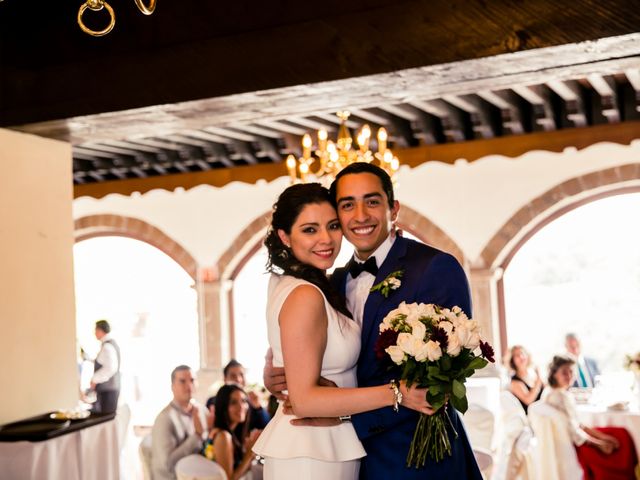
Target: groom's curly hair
(281,258)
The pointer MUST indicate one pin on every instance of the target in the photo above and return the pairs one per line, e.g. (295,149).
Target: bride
(312,334)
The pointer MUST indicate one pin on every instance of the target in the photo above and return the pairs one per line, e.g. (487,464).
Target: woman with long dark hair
(525,384)
(226,446)
(312,334)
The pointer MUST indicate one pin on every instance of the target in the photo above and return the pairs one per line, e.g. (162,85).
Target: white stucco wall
(37,305)
(469,201)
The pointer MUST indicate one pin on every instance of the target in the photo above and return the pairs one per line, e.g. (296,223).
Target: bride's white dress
(305,453)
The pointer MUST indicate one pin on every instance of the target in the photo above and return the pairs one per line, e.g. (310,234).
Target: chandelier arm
(144,9)
(96,6)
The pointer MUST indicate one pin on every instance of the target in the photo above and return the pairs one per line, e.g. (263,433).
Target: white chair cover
(197,467)
(144,451)
(485,461)
(554,455)
(479,423)
(515,454)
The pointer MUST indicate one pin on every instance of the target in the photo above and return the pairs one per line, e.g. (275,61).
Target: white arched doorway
(152,306)
(579,273)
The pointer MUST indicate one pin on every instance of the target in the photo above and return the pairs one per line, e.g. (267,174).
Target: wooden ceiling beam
(513,146)
(50,69)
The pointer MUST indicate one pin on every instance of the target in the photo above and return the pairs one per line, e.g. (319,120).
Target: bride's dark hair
(281,259)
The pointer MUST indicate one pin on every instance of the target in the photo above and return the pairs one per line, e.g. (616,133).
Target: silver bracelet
(345,418)
(397,395)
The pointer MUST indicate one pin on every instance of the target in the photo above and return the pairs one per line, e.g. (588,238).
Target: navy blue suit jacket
(429,276)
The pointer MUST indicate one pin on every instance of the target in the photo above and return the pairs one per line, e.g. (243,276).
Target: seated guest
(604,453)
(179,428)
(525,385)
(258,416)
(586,368)
(232,451)
(211,411)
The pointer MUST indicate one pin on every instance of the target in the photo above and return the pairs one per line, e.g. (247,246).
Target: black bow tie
(356,268)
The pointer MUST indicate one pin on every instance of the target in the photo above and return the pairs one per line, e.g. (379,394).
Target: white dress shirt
(108,358)
(358,288)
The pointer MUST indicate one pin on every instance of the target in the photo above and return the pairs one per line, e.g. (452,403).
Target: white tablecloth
(593,416)
(87,454)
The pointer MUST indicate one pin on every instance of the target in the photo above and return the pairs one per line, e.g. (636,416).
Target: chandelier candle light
(332,157)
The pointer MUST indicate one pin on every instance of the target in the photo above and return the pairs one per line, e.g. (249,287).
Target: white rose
(394,283)
(426,310)
(453,346)
(463,334)
(418,329)
(474,341)
(413,313)
(434,352)
(386,323)
(474,335)
(423,353)
(396,354)
(447,327)
(407,343)
(403,309)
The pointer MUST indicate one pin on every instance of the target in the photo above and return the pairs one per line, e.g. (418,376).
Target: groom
(364,199)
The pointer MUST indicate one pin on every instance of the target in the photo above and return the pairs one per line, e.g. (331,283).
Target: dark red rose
(439,334)
(487,351)
(385,340)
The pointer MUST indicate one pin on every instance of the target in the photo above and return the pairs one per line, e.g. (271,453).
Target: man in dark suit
(367,209)
(586,368)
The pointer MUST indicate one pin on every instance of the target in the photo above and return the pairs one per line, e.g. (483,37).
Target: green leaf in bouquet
(435,389)
(460,404)
(408,372)
(459,389)
(436,401)
(477,363)
(468,372)
(445,363)
(442,377)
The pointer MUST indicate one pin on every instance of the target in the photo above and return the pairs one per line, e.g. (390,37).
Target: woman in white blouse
(604,452)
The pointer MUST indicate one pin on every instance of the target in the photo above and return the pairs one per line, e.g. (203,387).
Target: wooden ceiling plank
(369,116)
(333,118)
(513,146)
(633,75)
(264,132)
(281,127)
(495,73)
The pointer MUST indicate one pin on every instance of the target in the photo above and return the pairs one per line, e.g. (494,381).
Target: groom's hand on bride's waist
(275,381)
(273,377)
(316,422)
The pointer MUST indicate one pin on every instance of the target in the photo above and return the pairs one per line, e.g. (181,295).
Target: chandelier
(323,164)
(97,5)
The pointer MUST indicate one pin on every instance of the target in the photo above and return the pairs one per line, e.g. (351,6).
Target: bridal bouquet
(437,348)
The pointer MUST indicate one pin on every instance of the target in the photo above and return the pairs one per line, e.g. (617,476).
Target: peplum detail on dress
(282,440)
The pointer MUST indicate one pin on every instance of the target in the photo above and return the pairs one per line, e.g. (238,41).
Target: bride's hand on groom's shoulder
(415,398)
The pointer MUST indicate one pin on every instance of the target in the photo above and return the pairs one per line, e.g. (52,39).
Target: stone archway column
(484,295)
(214,331)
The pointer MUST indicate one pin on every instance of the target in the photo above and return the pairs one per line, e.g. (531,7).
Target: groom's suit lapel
(376,300)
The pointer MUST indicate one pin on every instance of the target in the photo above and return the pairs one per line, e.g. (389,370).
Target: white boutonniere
(391,282)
